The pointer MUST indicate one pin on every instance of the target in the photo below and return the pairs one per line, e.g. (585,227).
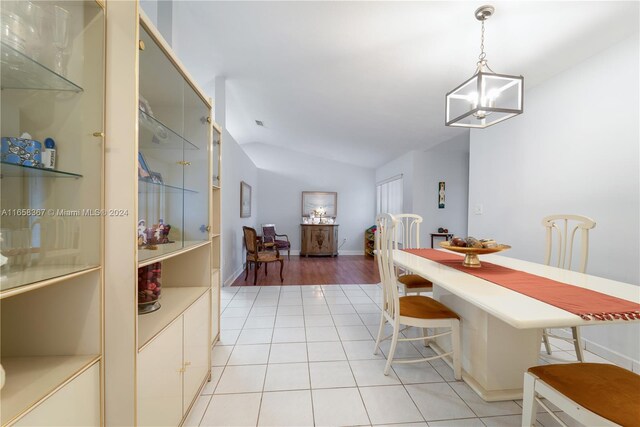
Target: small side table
(446,236)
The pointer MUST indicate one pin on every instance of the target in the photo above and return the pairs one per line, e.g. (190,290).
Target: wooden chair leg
(281,266)
(266,268)
(380,331)
(289,254)
(246,270)
(255,274)
(392,349)
(577,342)
(545,340)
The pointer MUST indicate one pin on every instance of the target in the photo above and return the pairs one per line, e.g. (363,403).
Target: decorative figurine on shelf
(157,234)
(49,154)
(142,233)
(23,151)
(443,230)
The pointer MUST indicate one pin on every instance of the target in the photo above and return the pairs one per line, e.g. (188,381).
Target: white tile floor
(303,356)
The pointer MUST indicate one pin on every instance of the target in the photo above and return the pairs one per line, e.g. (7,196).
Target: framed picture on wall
(245,200)
(441,195)
(323,201)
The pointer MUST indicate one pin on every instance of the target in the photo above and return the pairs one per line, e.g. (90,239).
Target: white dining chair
(410,311)
(564,227)
(407,236)
(594,394)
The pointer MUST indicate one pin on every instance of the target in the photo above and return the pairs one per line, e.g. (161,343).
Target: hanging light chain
(482,55)
(482,58)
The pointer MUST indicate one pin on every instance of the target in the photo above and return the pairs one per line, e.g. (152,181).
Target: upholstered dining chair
(257,257)
(408,237)
(410,311)
(269,235)
(594,394)
(565,227)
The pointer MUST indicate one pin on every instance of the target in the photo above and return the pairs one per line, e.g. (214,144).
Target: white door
(196,347)
(160,379)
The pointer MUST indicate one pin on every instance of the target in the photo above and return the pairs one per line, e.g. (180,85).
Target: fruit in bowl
(472,242)
(473,247)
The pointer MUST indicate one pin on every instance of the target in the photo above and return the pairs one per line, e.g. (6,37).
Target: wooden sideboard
(319,240)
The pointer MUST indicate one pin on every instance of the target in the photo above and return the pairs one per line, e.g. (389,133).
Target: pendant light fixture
(486,98)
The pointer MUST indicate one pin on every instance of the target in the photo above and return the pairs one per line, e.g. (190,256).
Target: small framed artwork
(245,200)
(441,195)
(319,203)
(156,178)
(143,169)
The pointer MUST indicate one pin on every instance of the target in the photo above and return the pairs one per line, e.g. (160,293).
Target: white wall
(284,174)
(574,150)
(236,167)
(448,162)
(422,171)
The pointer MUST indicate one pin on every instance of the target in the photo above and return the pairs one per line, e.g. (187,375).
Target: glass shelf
(152,187)
(14,170)
(155,135)
(21,72)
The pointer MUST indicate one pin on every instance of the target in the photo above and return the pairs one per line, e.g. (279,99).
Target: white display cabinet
(52,80)
(158,356)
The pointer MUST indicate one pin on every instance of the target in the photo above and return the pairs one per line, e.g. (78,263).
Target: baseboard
(233,276)
(606,353)
(356,252)
(295,252)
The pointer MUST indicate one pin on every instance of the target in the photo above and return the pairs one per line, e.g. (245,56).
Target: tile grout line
(306,342)
(266,370)
(366,411)
(223,368)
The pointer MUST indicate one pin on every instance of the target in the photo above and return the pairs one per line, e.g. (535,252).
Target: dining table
(501,329)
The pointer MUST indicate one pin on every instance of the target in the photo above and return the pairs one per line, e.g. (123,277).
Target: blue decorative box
(21,151)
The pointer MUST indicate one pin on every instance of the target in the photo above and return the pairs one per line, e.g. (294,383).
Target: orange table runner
(588,304)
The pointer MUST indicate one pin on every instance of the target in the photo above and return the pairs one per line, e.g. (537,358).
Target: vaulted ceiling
(364,82)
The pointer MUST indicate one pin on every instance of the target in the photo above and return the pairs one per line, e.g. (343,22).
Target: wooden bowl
(471,254)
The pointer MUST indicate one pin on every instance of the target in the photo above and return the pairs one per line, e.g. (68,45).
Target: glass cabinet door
(52,115)
(196,168)
(161,145)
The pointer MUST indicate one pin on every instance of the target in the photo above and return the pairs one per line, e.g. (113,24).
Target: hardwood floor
(343,269)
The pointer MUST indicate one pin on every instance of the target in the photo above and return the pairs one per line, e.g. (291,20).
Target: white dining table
(501,328)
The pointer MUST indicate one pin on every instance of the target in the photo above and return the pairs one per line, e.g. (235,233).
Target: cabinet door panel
(75,404)
(196,347)
(160,379)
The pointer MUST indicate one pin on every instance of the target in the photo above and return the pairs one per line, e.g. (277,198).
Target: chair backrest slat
(408,231)
(385,243)
(566,227)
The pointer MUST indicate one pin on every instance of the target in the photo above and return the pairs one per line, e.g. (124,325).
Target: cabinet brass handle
(98,134)
(181,370)
(183,163)
(187,363)
(208,228)
(208,119)
(141,45)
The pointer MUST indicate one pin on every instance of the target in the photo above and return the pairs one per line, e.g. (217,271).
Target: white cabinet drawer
(75,404)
